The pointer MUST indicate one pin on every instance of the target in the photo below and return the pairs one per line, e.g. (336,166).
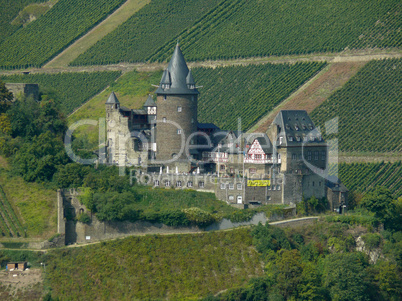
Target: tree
(382,204)
(5,98)
(344,276)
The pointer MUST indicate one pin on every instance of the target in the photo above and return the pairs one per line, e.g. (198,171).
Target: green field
(39,41)
(146,31)
(247,92)
(28,206)
(70,90)
(369,109)
(156,267)
(249,28)
(362,177)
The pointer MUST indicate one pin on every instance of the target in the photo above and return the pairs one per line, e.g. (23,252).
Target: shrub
(84,218)
(372,240)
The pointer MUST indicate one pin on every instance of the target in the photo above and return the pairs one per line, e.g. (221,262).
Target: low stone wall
(295,222)
(97,231)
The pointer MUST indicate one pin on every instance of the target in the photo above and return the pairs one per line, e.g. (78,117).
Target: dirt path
(97,33)
(314,92)
(342,57)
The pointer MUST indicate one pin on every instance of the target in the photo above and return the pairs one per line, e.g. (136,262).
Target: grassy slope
(174,267)
(34,204)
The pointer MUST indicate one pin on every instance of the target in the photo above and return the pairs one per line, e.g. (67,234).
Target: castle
(166,140)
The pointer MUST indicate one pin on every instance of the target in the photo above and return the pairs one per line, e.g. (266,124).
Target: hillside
(176,267)
(250,29)
(39,41)
(69,89)
(373,98)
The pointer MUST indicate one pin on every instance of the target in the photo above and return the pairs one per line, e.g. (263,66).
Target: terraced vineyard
(146,31)
(369,108)
(362,177)
(70,89)
(12,8)
(248,28)
(36,43)
(247,92)
(10,225)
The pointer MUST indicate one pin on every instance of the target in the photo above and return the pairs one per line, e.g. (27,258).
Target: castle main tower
(177,110)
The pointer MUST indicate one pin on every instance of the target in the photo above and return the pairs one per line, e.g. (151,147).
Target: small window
(192,120)
(258,156)
(164,97)
(231,186)
(297,138)
(278,187)
(296,127)
(231,197)
(156,183)
(319,183)
(294,156)
(290,138)
(179,109)
(280,140)
(273,187)
(164,119)
(239,199)
(313,183)
(222,167)
(201,184)
(287,127)
(268,197)
(252,170)
(239,187)
(316,156)
(223,186)
(269,187)
(309,155)
(167,183)
(178,184)
(303,127)
(300,156)
(178,131)
(323,155)
(190,184)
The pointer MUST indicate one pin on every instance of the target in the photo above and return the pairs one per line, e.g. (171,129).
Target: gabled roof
(112,99)
(295,126)
(150,102)
(176,76)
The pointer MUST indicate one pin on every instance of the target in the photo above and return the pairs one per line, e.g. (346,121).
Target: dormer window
(280,140)
(290,138)
(164,119)
(296,127)
(298,138)
(179,109)
(304,127)
(287,127)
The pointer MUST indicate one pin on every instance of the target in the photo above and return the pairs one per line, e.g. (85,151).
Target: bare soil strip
(346,56)
(97,33)
(314,92)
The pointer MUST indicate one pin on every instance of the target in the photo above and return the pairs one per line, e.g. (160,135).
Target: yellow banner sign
(260,183)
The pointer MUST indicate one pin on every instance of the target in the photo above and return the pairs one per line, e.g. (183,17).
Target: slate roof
(176,76)
(295,126)
(150,102)
(112,99)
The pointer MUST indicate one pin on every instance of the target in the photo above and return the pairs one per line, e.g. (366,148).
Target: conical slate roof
(190,79)
(176,75)
(150,102)
(112,99)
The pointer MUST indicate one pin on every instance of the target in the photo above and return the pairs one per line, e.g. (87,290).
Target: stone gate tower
(176,111)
